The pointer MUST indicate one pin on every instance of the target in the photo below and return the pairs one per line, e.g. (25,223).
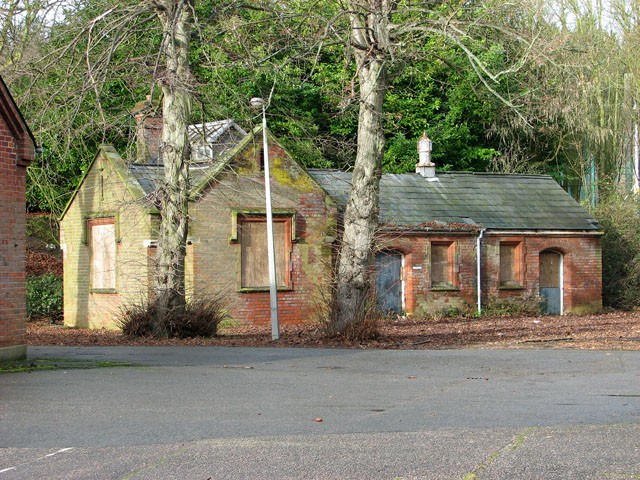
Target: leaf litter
(615,330)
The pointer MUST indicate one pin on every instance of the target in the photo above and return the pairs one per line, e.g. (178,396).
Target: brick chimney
(148,132)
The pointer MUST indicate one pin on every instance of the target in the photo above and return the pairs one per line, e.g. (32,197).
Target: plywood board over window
(510,264)
(254,253)
(550,269)
(442,265)
(103,254)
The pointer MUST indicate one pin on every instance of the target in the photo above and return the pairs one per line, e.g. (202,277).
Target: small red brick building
(17,150)
(537,245)
(534,240)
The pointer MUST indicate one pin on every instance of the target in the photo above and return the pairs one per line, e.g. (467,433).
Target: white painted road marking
(55,453)
(41,458)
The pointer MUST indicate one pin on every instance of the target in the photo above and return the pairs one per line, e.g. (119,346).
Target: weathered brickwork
(581,270)
(104,194)
(213,257)
(420,296)
(17,149)
(215,265)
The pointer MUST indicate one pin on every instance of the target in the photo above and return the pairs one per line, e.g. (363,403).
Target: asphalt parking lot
(215,412)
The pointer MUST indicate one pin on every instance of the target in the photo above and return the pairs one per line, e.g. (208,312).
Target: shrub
(365,328)
(44,296)
(361,329)
(620,218)
(200,318)
(451,312)
(527,307)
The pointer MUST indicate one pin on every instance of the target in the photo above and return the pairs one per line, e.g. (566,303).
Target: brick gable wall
(103,194)
(214,257)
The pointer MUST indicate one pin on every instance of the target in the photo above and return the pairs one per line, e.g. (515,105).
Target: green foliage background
(566,89)
(44,296)
(619,216)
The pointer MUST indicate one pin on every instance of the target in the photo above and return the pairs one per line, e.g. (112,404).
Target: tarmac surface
(215,412)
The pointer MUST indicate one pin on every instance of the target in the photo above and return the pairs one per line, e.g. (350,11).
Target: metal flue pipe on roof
(256,103)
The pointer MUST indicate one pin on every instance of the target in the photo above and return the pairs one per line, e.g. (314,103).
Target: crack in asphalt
(516,443)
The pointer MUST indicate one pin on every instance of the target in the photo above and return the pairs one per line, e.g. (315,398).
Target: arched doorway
(551,282)
(389,289)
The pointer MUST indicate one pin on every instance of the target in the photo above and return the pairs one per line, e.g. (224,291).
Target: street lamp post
(257,102)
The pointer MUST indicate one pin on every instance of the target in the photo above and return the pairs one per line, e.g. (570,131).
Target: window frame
(517,265)
(90,224)
(452,281)
(287,221)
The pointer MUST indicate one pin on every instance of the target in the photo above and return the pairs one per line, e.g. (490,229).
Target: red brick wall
(14,153)
(419,296)
(582,271)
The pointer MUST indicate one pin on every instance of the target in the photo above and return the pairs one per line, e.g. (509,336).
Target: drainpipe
(479,271)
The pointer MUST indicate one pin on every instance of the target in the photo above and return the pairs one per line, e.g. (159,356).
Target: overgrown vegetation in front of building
(619,217)
(200,317)
(362,329)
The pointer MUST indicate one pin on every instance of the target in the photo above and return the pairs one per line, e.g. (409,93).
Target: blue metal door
(550,282)
(389,281)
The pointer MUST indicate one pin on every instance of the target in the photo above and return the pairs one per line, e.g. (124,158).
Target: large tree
(370,40)
(378,29)
(169,281)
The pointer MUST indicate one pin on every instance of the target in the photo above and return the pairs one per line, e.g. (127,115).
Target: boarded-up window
(254,253)
(509,265)
(103,254)
(441,265)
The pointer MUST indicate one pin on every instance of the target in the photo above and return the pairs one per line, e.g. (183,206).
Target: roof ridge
(448,172)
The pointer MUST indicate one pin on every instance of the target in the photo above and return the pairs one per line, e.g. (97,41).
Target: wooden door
(389,281)
(550,282)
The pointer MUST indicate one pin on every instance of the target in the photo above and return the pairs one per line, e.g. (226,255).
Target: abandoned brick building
(17,150)
(534,240)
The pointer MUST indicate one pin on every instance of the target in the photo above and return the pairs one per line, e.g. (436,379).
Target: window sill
(103,290)
(263,289)
(511,287)
(444,288)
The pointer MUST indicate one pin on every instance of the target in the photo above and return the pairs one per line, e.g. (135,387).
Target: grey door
(550,287)
(389,281)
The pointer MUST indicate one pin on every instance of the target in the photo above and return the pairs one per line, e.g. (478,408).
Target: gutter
(479,269)
(548,233)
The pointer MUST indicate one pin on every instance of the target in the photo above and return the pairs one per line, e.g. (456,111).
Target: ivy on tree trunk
(169,280)
(371,46)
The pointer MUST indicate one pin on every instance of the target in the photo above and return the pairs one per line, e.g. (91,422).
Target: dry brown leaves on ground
(613,331)
(39,263)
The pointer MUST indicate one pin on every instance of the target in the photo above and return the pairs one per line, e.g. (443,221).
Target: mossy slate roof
(489,200)
(150,176)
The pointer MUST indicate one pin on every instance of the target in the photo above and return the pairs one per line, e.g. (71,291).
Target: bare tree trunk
(169,276)
(369,31)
